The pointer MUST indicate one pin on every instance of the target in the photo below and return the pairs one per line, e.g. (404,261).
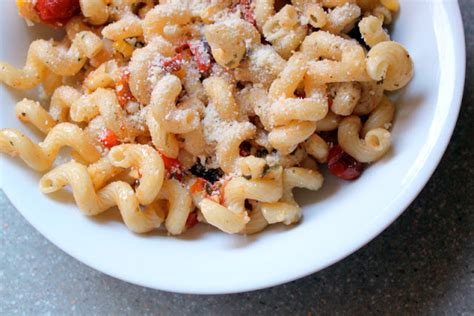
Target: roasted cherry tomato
(57,12)
(343,165)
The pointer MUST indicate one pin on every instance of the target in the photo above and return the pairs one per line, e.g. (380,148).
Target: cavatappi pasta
(211,111)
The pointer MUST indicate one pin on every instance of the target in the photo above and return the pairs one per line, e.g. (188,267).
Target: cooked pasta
(41,156)
(212,112)
(371,30)
(390,64)
(92,203)
(287,210)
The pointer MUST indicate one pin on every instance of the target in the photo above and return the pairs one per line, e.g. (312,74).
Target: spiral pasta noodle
(212,112)
(92,203)
(41,156)
(44,55)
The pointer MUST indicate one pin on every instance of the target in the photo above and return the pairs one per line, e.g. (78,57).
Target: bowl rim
(374,229)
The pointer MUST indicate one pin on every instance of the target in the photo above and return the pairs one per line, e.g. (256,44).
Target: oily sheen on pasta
(211,111)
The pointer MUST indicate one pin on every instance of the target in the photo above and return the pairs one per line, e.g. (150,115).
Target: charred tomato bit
(173,167)
(342,165)
(57,12)
(122,88)
(201,52)
(211,175)
(108,138)
(192,220)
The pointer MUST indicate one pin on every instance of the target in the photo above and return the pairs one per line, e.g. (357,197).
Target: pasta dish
(185,111)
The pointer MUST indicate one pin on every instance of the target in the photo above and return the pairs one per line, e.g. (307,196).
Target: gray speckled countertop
(422,264)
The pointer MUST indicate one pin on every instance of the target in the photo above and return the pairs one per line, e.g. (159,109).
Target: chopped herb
(211,175)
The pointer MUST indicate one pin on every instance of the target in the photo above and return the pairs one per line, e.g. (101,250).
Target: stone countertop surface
(421,264)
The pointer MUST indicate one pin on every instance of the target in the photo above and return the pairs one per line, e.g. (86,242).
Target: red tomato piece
(57,12)
(198,185)
(172,64)
(173,167)
(200,51)
(342,165)
(192,220)
(108,138)
(213,192)
(124,95)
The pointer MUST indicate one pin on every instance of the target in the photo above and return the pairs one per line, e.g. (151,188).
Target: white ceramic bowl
(338,220)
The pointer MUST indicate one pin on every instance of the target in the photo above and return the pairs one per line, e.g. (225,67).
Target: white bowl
(338,220)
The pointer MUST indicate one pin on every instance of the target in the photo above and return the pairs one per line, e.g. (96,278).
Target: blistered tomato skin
(57,12)
(342,165)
